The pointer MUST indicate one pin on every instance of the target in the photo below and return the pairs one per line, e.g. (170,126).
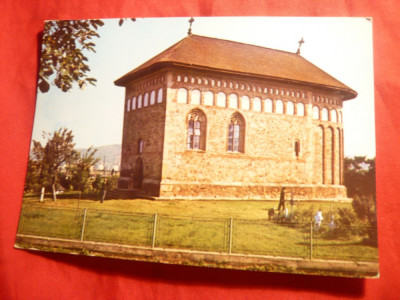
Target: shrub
(363,206)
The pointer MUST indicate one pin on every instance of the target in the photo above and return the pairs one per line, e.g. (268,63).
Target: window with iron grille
(196,130)
(236,133)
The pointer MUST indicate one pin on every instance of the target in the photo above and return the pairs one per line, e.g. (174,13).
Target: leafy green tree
(97,183)
(81,169)
(63,60)
(58,152)
(359,176)
(32,176)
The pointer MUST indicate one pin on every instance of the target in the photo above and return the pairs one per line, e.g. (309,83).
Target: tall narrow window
(182,95)
(160,95)
(236,133)
(324,114)
(152,97)
(209,98)
(279,107)
(195,97)
(245,102)
(315,113)
(300,109)
(221,99)
(257,104)
(134,103)
(290,108)
(139,101)
(268,105)
(297,148)
(333,116)
(196,130)
(233,101)
(146,99)
(128,105)
(140,146)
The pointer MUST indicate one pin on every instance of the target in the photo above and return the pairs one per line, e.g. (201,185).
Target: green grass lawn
(188,224)
(190,208)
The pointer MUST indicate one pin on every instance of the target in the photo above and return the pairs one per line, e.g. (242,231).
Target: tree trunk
(54,192)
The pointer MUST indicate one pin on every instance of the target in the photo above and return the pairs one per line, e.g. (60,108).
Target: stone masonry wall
(269,160)
(293,137)
(144,121)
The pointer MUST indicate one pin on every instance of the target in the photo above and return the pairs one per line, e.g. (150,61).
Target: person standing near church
(282,200)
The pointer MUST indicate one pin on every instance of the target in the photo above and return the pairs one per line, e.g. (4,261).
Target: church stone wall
(274,123)
(143,123)
(269,160)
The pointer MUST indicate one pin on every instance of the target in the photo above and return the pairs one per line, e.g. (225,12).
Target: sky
(341,47)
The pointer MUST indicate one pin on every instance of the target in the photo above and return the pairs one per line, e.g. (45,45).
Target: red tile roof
(244,59)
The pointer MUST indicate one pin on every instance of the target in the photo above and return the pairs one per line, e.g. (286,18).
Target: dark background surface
(36,275)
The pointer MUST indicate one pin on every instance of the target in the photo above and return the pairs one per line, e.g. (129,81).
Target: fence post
(42,194)
(83,225)
(230,234)
(311,240)
(153,243)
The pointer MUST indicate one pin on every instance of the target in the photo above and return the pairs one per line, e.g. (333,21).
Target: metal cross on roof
(301,42)
(191,20)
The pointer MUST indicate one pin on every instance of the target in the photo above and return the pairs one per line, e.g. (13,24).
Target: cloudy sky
(340,46)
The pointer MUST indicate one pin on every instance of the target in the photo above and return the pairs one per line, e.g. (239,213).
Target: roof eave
(347,93)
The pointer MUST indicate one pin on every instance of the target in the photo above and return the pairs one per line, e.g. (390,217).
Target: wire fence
(227,235)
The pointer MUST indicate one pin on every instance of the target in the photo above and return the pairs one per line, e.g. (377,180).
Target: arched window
(152,97)
(257,104)
(196,130)
(160,95)
(221,99)
(297,148)
(268,105)
(195,97)
(333,115)
(128,105)
(179,78)
(134,103)
(290,108)
(182,95)
(236,131)
(340,117)
(233,101)
(324,114)
(139,101)
(315,113)
(300,109)
(279,107)
(245,102)
(209,98)
(140,146)
(146,99)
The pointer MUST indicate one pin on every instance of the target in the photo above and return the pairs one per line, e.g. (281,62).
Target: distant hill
(110,155)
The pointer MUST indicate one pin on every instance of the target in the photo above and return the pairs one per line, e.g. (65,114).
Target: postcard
(226,142)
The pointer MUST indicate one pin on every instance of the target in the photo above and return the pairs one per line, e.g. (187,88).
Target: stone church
(215,119)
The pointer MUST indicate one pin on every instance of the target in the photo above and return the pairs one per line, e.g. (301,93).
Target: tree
(63,60)
(81,169)
(32,176)
(359,176)
(58,152)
